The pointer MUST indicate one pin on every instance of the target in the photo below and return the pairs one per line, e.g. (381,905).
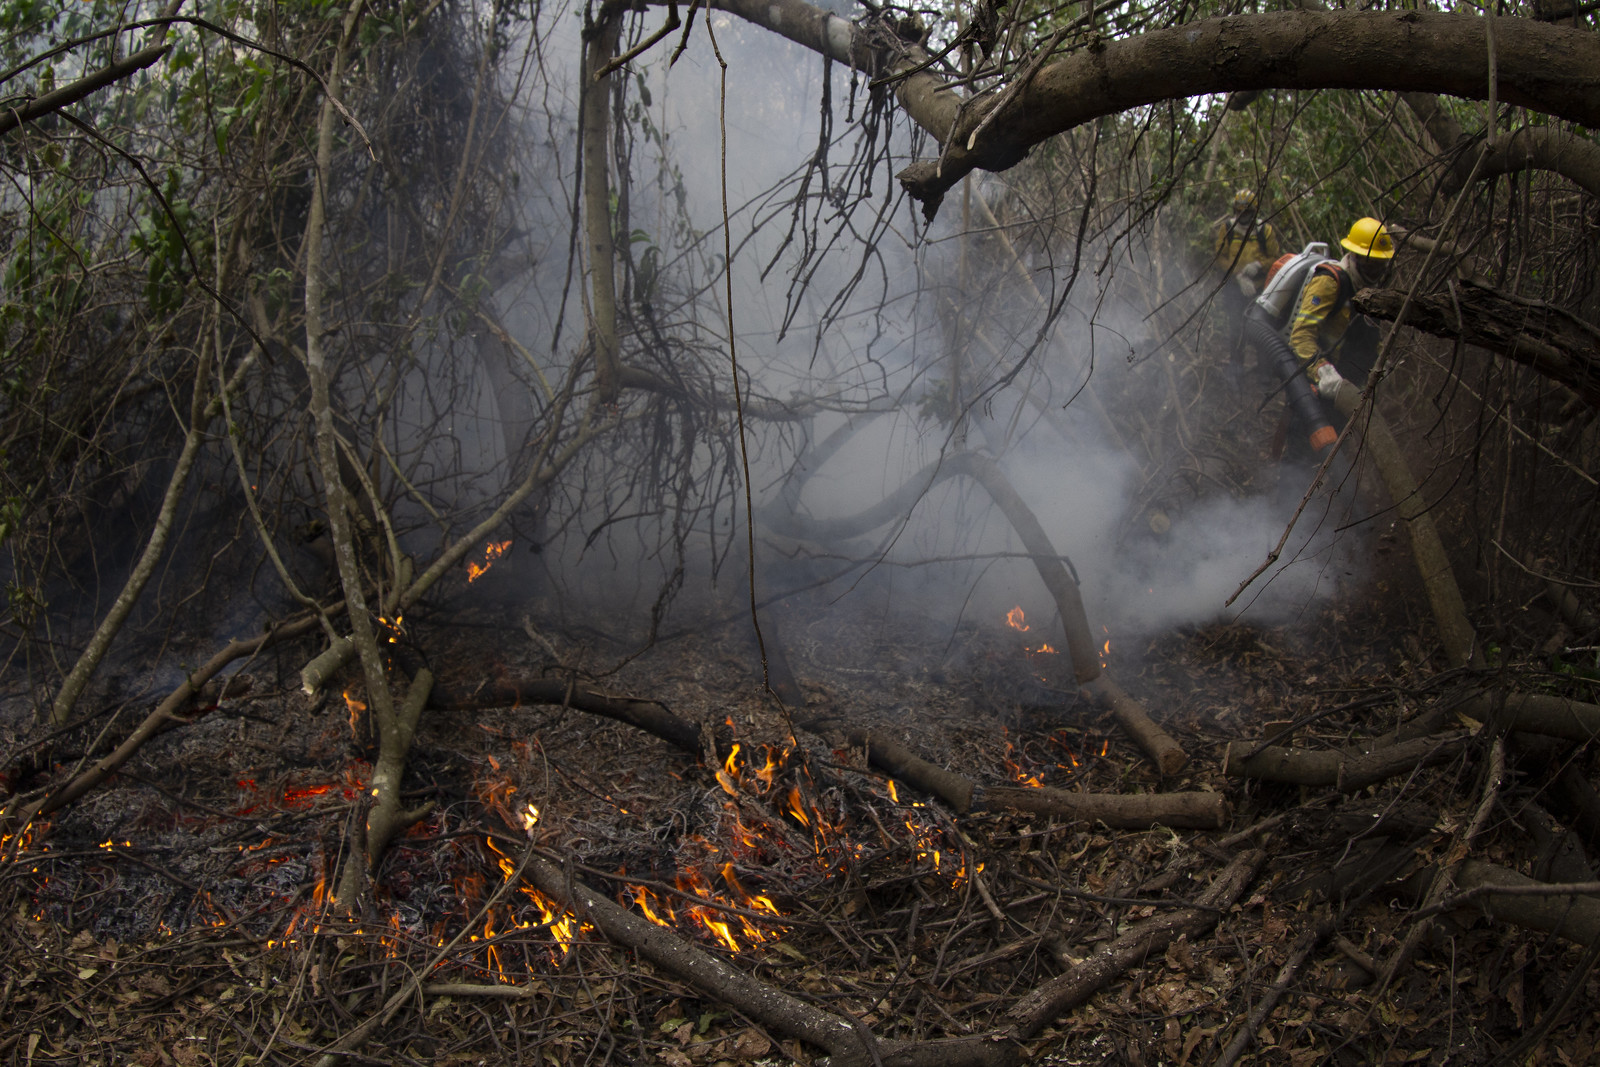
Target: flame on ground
(1016,620)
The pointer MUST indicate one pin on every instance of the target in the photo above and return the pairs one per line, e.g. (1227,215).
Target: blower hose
(1297,389)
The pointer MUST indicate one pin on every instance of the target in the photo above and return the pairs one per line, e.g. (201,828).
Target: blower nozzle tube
(1297,389)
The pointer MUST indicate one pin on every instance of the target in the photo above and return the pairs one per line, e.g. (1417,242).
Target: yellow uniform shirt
(1321,319)
(1237,246)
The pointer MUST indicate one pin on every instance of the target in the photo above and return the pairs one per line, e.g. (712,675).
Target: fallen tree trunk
(1572,915)
(1558,345)
(1538,713)
(1344,771)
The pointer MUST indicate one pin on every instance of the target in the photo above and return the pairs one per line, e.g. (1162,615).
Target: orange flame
(1016,620)
(530,817)
(728,774)
(493,551)
(356,708)
(796,807)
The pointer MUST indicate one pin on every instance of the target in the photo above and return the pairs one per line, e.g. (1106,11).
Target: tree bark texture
(1343,771)
(1558,345)
(1541,67)
(1433,562)
(1134,811)
(597,209)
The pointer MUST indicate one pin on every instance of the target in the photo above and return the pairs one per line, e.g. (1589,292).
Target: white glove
(1246,285)
(1328,379)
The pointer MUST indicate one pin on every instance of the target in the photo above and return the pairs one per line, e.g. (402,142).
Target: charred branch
(1163,751)
(647,715)
(887,755)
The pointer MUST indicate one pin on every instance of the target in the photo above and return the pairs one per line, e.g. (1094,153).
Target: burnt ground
(179,915)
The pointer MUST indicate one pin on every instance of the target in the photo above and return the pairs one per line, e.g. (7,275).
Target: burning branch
(847,1041)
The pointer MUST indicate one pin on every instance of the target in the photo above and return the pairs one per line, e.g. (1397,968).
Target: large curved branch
(1574,157)
(1541,67)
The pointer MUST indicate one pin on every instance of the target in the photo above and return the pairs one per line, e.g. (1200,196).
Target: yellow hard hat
(1369,238)
(1244,200)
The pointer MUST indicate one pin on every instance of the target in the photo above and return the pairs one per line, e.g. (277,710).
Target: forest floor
(180,914)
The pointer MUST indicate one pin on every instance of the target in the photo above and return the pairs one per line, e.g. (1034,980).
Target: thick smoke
(1144,560)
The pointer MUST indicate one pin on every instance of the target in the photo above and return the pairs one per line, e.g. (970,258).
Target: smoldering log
(1167,754)
(1137,811)
(513,692)
(1147,939)
(1344,771)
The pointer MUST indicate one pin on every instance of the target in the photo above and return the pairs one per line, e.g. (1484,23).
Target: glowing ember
(1016,620)
(493,551)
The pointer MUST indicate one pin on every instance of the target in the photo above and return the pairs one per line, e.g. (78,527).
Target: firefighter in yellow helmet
(1243,247)
(1322,315)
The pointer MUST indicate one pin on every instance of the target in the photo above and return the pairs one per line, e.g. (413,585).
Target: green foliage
(45,270)
(161,236)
